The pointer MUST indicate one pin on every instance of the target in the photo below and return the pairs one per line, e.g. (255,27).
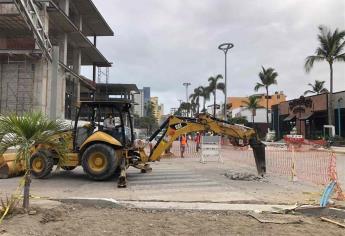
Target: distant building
(147,94)
(157,109)
(160,110)
(259,116)
(276,98)
(147,98)
(309,115)
(154,107)
(139,103)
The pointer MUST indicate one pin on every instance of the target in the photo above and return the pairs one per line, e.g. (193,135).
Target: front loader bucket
(9,167)
(260,158)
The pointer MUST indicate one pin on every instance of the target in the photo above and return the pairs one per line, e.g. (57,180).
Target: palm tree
(252,104)
(26,132)
(195,97)
(331,49)
(194,106)
(268,78)
(317,87)
(204,93)
(213,86)
(185,108)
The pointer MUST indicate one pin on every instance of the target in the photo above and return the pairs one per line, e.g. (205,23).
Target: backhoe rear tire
(100,161)
(41,164)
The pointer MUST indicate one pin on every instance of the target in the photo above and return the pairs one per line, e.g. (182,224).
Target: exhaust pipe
(9,167)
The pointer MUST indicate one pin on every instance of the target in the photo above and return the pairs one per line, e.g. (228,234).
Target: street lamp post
(187,84)
(225,47)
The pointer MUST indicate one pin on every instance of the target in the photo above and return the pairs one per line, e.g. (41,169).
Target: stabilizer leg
(147,169)
(122,181)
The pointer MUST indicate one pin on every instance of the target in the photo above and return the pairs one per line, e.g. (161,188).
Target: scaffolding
(103,77)
(29,11)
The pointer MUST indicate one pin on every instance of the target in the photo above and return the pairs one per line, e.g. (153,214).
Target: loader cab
(90,119)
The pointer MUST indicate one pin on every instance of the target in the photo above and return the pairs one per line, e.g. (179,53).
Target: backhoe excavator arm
(175,126)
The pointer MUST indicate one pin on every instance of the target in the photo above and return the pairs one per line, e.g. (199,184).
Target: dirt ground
(76,219)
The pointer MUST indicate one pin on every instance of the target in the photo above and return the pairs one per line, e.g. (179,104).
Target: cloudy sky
(163,43)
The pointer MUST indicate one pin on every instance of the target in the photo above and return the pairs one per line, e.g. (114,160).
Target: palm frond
(340,58)
(308,91)
(221,87)
(309,62)
(258,86)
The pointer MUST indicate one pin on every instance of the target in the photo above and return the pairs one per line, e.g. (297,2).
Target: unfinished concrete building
(43,45)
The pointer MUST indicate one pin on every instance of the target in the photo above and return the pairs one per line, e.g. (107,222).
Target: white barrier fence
(210,147)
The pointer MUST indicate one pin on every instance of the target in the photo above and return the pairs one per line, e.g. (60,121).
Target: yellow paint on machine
(72,159)
(9,167)
(100,136)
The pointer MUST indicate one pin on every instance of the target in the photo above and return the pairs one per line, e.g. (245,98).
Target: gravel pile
(243,176)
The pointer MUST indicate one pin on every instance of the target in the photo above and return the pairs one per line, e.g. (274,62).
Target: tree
(195,97)
(317,88)
(26,132)
(268,78)
(252,104)
(185,108)
(331,49)
(204,93)
(213,86)
(238,120)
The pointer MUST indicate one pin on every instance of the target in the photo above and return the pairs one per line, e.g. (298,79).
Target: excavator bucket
(9,167)
(260,158)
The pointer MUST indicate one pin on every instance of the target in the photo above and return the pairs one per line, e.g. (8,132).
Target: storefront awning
(290,117)
(306,116)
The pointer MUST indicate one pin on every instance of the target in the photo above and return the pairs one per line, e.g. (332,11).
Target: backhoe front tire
(41,164)
(100,161)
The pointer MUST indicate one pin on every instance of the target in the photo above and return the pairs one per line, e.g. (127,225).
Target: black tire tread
(109,153)
(49,164)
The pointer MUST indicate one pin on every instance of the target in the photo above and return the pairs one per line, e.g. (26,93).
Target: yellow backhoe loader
(104,152)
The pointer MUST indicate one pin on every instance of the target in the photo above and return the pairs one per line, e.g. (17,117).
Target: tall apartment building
(160,112)
(157,109)
(139,103)
(147,94)
(43,45)
(154,104)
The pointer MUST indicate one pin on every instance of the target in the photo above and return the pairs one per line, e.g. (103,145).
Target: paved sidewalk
(177,180)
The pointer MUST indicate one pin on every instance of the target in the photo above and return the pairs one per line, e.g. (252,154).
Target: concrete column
(60,91)
(64,5)
(54,82)
(63,45)
(41,89)
(76,60)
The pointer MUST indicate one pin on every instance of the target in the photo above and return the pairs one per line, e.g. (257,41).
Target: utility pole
(339,116)
(187,84)
(225,47)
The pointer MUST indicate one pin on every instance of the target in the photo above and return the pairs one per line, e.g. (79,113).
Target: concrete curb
(164,205)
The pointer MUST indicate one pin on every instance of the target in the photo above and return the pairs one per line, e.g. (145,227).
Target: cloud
(162,44)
